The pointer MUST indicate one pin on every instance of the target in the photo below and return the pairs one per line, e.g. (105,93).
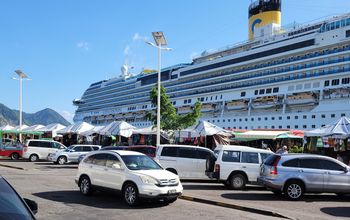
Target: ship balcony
(184,110)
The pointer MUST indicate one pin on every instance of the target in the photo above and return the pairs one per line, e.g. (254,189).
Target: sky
(65,45)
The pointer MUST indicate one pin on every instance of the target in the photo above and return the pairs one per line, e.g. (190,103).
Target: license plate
(172,191)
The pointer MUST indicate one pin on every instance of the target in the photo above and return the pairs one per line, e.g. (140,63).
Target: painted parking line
(13,167)
(232,206)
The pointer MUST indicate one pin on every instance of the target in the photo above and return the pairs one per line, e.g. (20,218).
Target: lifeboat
(207,107)
(301,99)
(236,105)
(184,110)
(264,102)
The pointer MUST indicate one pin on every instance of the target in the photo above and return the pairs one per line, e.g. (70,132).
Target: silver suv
(72,153)
(295,174)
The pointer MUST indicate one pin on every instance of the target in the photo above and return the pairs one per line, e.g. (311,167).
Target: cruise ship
(281,78)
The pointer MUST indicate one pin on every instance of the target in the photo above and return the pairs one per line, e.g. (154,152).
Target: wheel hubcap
(61,160)
(84,186)
(130,195)
(237,182)
(294,191)
(34,158)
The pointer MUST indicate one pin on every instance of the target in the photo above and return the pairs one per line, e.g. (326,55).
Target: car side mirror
(32,205)
(346,170)
(61,147)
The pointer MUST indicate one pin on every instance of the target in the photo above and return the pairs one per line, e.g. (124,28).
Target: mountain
(43,117)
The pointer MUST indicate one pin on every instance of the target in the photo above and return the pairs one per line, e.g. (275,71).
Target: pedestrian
(282,150)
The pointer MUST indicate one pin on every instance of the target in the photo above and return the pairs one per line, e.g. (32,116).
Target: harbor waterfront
(282,78)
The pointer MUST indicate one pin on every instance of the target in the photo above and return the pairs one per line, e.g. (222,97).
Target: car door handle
(244,167)
(301,171)
(105,169)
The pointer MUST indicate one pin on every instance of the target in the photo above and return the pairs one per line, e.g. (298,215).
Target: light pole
(21,76)
(160,45)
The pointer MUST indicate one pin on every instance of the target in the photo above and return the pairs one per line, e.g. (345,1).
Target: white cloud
(126,50)
(138,37)
(67,115)
(83,45)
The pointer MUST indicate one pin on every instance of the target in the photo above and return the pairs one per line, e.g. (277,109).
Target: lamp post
(21,76)
(160,44)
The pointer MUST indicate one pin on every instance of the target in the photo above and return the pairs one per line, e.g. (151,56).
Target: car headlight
(149,180)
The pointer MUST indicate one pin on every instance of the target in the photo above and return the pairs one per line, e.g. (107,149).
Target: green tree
(169,119)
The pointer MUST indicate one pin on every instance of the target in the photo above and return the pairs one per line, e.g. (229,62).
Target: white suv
(236,166)
(72,153)
(184,160)
(35,150)
(134,174)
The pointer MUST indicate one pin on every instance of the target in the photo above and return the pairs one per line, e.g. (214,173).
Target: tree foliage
(169,119)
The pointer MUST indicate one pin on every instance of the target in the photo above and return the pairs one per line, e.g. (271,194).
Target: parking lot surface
(58,197)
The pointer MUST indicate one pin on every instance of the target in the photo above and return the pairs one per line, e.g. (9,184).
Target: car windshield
(140,162)
(11,206)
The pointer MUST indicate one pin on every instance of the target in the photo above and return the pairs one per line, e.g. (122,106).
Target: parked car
(184,160)
(136,175)
(35,150)
(12,206)
(296,174)
(145,149)
(114,148)
(11,149)
(72,153)
(235,165)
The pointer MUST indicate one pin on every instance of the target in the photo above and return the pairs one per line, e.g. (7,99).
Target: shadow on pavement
(269,196)
(337,211)
(97,199)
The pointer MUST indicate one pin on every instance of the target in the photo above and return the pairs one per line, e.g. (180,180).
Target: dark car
(12,206)
(145,149)
(114,148)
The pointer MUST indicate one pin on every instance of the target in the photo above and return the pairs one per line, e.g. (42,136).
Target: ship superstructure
(296,78)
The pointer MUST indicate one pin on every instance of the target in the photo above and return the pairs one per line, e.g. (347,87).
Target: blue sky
(66,45)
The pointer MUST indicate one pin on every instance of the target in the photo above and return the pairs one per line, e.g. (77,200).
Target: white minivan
(235,165)
(188,162)
(35,149)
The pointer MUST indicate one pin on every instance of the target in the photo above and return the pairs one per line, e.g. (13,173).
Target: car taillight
(25,148)
(274,166)
(217,168)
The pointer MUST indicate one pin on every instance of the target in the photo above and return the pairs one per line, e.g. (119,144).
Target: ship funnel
(264,18)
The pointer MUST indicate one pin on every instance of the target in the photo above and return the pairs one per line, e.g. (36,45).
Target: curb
(13,167)
(232,206)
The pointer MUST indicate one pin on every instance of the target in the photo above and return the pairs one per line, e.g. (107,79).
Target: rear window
(271,159)
(45,144)
(204,154)
(144,150)
(230,156)
(250,157)
(264,156)
(291,163)
(169,151)
(187,152)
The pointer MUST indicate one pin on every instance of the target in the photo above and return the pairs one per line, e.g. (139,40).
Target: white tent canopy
(76,128)
(121,128)
(145,131)
(94,130)
(33,128)
(52,127)
(22,128)
(205,128)
(6,127)
(340,129)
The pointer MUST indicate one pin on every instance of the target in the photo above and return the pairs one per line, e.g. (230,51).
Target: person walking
(282,150)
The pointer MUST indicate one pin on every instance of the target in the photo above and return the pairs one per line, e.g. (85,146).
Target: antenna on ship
(125,70)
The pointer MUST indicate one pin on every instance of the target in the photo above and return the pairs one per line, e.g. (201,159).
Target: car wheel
(62,160)
(130,194)
(14,156)
(85,186)
(33,158)
(294,190)
(238,181)
(209,164)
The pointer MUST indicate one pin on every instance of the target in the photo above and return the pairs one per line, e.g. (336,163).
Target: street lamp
(21,76)
(160,44)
